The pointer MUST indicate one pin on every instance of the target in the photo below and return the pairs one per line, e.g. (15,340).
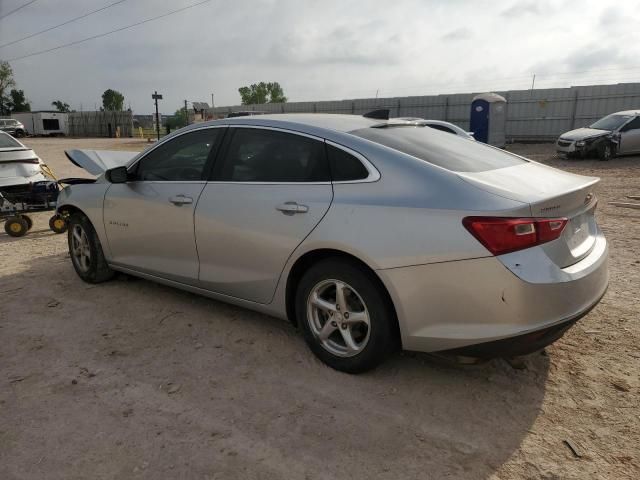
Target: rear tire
(354,332)
(16,226)
(29,221)
(86,252)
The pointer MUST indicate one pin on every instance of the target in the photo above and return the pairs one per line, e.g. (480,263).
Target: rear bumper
(521,344)
(451,305)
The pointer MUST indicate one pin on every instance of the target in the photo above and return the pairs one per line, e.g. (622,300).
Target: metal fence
(532,115)
(100,124)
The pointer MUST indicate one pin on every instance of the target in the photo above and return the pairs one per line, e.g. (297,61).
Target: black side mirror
(117,175)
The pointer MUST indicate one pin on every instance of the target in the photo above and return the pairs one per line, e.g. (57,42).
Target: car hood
(99,161)
(583,133)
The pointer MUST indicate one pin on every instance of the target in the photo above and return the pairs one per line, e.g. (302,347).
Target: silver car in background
(12,127)
(367,234)
(615,134)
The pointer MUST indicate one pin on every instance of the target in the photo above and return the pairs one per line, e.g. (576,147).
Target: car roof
(327,121)
(627,112)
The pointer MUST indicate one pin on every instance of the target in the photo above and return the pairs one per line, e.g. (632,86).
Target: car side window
(263,155)
(181,159)
(344,166)
(632,125)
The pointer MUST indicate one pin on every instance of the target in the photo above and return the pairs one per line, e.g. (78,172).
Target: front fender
(88,199)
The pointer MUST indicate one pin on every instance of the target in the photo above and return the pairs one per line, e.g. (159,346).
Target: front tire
(86,252)
(344,315)
(57,224)
(605,151)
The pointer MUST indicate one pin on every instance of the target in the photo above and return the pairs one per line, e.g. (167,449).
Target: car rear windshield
(442,149)
(611,122)
(7,141)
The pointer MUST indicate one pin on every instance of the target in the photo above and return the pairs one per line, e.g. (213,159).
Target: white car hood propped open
(97,162)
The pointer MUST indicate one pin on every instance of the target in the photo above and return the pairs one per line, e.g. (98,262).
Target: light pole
(156,96)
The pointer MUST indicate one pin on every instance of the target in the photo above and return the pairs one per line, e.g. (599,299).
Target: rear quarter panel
(411,216)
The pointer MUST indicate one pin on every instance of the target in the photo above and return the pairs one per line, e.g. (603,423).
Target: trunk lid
(550,193)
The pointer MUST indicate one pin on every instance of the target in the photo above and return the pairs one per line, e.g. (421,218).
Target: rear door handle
(180,200)
(291,208)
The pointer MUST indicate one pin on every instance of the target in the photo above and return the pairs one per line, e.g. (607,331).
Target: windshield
(611,122)
(7,141)
(442,149)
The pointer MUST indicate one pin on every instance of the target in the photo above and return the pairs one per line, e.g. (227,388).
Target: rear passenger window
(345,167)
(263,155)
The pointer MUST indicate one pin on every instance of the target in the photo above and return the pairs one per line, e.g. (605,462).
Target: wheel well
(68,210)
(309,259)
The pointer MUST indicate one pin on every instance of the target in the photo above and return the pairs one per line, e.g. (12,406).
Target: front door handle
(180,200)
(291,208)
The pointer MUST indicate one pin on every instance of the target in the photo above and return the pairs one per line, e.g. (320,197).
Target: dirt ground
(130,379)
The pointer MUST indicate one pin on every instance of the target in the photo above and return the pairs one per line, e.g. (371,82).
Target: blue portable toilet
(488,118)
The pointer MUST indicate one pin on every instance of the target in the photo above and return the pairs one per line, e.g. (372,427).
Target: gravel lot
(130,379)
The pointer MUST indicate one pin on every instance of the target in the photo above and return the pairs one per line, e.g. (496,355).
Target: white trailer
(43,123)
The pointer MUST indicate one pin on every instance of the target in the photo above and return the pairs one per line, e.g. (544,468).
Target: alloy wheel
(338,318)
(80,248)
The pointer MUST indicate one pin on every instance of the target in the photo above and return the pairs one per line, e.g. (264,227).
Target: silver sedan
(369,235)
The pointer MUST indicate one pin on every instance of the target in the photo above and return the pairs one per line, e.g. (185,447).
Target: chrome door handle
(180,200)
(291,208)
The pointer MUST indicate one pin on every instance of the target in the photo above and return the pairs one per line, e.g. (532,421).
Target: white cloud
(317,50)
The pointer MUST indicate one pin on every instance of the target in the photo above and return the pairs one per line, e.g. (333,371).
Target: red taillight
(503,235)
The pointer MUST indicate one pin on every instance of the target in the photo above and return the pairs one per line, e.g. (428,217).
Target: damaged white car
(615,134)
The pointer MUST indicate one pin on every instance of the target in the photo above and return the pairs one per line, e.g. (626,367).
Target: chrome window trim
(166,140)
(222,182)
(279,129)
(201,182)
(374,174)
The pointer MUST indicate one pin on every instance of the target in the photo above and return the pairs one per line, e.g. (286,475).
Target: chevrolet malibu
(369,235)
(615,134)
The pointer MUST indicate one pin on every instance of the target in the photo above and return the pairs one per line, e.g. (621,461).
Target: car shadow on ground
(130,376)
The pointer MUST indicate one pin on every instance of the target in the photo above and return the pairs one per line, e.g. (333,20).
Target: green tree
(262,93)
(17,101)
(61,106)
(112,100)
(6,81)
(177,120)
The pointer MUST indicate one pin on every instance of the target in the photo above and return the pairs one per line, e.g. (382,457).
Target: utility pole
(533,82)
(212,104)
(186,113)
(156,96)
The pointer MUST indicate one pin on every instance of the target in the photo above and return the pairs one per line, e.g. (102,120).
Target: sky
(316,50)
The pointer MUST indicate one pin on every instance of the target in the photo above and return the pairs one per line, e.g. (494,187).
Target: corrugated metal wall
(96,124)
(532,115)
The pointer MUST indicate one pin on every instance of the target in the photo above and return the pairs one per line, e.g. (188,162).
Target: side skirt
(257,307)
